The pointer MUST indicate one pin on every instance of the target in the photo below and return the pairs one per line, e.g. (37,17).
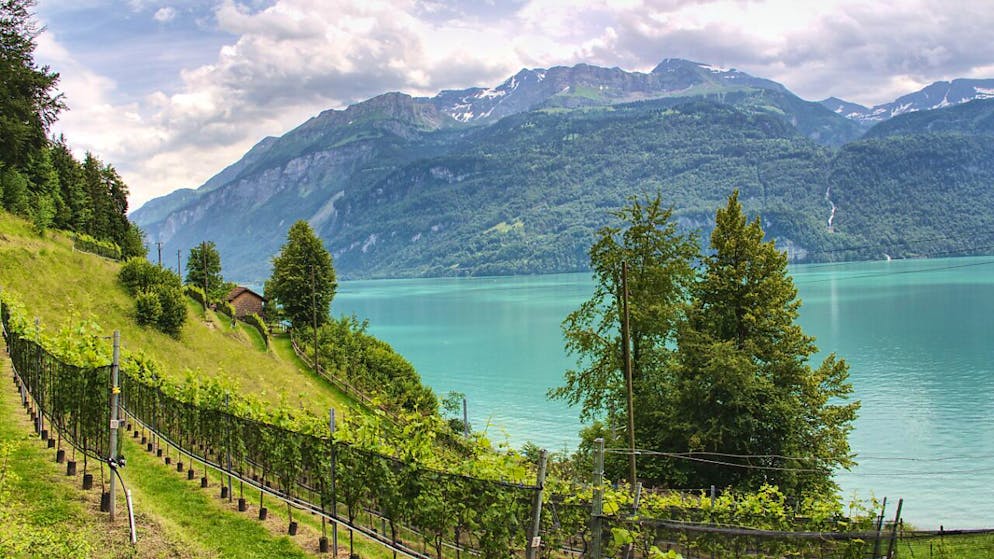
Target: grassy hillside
(47,514)
(58,284)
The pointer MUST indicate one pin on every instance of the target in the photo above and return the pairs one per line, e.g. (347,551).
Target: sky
(173,91)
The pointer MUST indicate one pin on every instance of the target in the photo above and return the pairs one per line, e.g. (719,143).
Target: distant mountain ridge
(586,85)
(938,95)
(517,178)
(561,87)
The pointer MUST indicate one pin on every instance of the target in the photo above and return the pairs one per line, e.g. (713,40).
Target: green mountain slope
(61,285)
(344,170)
(527,194)
(915,195)
(975,117)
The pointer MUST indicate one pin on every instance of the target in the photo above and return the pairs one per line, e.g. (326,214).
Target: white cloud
(165,14)
(294,58)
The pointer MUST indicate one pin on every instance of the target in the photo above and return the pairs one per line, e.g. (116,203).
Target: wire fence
(411,509)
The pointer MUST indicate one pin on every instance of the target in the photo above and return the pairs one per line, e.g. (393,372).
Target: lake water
(916,333)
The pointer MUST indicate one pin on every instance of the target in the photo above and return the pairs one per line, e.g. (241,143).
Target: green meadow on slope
(59,284)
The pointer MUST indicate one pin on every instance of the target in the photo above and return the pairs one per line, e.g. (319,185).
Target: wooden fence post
(597,503)
(115,393)
(534,536)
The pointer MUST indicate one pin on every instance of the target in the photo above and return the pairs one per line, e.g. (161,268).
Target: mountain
(973,117)
(935,96)
(517,178)
(584,85)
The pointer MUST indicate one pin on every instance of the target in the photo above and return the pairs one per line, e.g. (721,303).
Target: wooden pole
(535,539)
(314,319)
(627,356)
(115,393)
(334,495)
(597,503)
(227,403)
(893,531)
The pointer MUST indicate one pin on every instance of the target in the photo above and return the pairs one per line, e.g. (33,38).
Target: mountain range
(518,177)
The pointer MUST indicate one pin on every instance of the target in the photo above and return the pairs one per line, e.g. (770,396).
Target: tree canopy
(659,259)
(743,385)
(720,365)
(41,179)
(203,270)
(28,101)
(303,281)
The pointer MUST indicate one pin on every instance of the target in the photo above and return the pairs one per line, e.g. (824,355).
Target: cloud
(165,15)
(290,59)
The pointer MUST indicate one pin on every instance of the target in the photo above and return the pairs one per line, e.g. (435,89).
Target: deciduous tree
(203,270)
(660,272)
(303,281)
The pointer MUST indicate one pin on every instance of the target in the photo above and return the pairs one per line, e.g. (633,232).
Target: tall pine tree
(28,102)
(743,388)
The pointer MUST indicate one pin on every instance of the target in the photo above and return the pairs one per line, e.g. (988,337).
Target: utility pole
(159,244)
(178,269)
(627,356)
(203,256)
(314,318)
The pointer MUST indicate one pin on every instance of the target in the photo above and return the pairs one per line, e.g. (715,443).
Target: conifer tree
(28,103)
(743,384)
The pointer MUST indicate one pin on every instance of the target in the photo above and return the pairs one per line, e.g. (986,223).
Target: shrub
(138,275)
(259,324)
(148,309)
(195,293)
(226,308)
(86,243)
(173,310)
(158,298)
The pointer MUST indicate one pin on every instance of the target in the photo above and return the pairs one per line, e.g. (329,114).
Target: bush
(148,309)
(138,275)
(173,310)
(195,293)
(86,243)
(260,325)
(158,298)
(226,308)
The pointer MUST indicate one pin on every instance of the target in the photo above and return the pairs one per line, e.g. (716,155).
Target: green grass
(47,514)
(966,546)
(58,284)
(201,522)
(50,515)
(41,514)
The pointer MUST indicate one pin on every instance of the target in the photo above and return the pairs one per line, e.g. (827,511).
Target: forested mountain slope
(400,186)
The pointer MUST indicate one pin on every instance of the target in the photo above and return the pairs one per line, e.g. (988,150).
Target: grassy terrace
(47,514)
(58,284)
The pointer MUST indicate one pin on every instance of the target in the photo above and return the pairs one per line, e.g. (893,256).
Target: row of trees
(40,178)
(720,371)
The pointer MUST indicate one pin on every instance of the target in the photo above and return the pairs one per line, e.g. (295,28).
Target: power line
(691,457)
(894,273)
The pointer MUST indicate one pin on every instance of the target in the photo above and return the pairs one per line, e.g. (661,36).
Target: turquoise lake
(916,333)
